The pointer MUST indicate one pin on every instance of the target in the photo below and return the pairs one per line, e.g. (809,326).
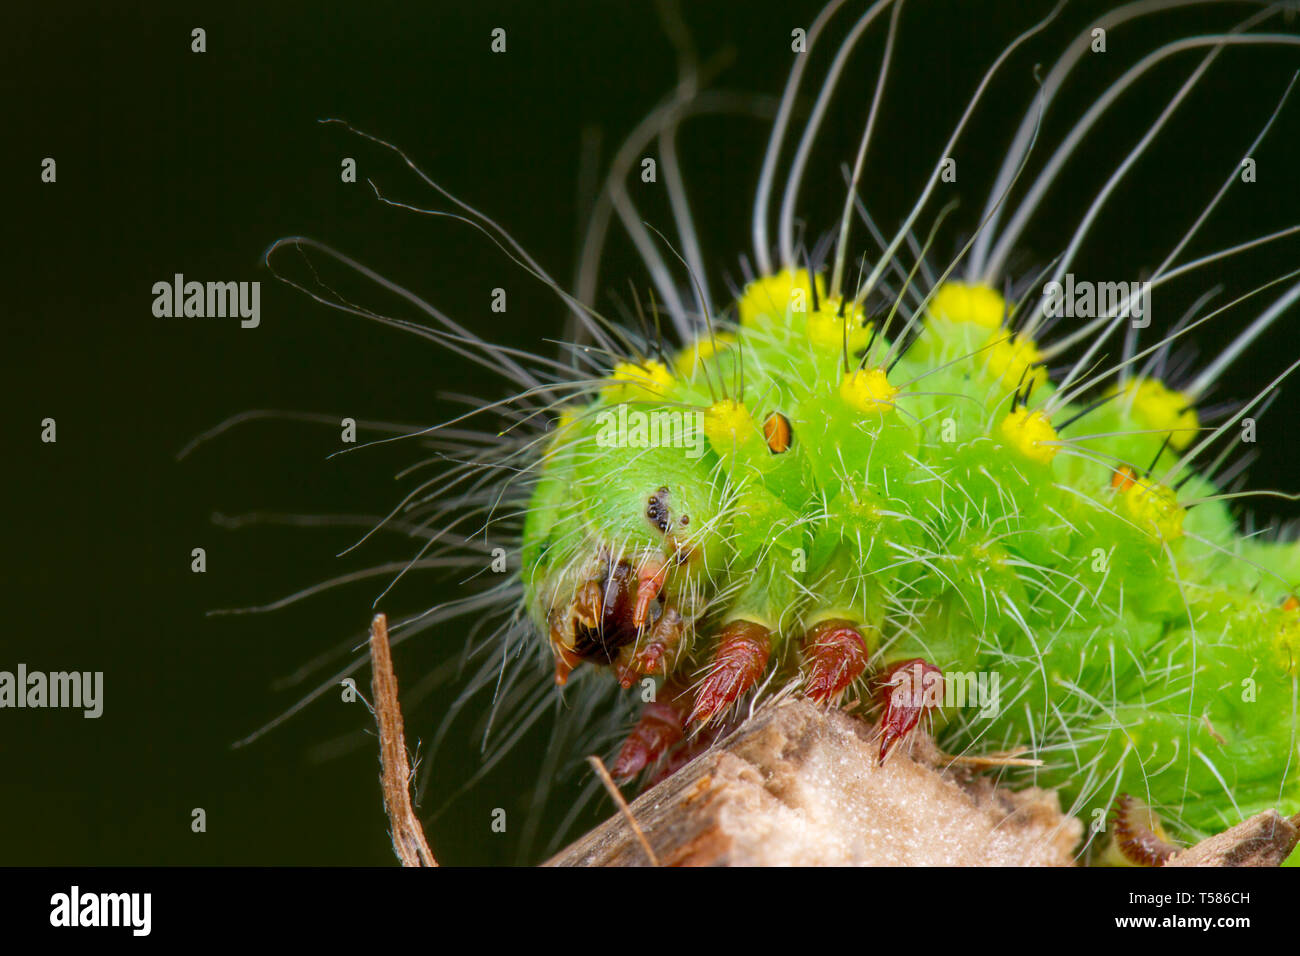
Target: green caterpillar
(929,512)
(873,489)
(826,500)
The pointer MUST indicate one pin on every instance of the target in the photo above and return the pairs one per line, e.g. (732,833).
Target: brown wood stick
(408,836)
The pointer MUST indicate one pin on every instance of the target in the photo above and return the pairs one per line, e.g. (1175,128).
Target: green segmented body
(1140,645)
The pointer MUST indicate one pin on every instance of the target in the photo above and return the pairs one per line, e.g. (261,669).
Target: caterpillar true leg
(660,728)
(1139,838)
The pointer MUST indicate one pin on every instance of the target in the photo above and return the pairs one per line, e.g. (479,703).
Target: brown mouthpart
(607,613)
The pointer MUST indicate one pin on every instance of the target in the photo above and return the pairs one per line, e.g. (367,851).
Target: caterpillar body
(1004,546)
(858,481)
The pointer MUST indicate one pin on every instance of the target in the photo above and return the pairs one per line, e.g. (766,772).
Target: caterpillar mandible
(874,471)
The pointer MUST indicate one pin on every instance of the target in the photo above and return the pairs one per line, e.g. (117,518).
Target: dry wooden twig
(797,784)
(408,836)
(1265,839)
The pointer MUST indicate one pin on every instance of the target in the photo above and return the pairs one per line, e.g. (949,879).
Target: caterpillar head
(629,538)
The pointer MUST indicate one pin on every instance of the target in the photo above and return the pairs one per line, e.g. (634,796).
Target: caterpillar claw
(632,664)
(565,662)
(738,663)
(835,655)
(908,691)
(651,576)
(657,654)
(660,728)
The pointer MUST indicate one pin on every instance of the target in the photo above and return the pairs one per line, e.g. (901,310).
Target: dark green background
(174,162)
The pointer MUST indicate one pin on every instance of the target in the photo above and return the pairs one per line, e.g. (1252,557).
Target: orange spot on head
(1292,603)
(1123,479)
(776,429)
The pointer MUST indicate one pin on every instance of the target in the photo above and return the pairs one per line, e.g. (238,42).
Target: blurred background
(171,161)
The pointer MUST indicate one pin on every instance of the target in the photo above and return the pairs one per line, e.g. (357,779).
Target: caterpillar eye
(658,512)
(776,431)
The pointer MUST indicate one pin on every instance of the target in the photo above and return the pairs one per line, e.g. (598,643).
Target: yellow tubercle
(631,382)
(1156,507)
(1011,358)
(728,426)
(706,346)
(1160,408)
(1014,360)
(776,295)
(1031,434)
(826,327)
(868,390)
(961,302)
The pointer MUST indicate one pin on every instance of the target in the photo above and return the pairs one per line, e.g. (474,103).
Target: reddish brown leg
(660,728)
(908,691)
(835,655)
(1137,834)
(738,664)
(688,750)
(655,652)
(565,662)
(650,577)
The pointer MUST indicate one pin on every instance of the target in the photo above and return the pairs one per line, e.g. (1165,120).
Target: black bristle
(1159,451)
